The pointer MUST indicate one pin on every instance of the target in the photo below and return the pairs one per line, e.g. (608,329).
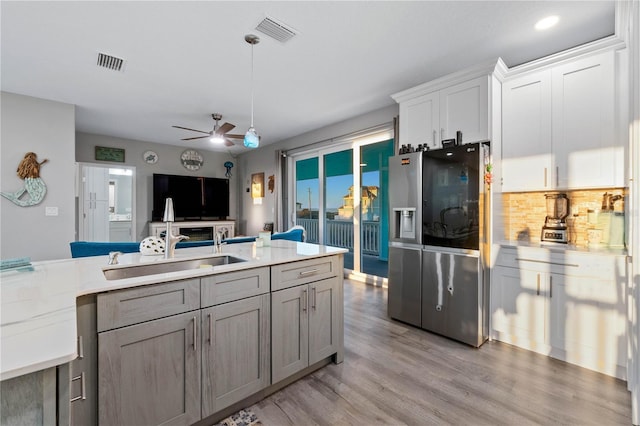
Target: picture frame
(104,153)
(257,185)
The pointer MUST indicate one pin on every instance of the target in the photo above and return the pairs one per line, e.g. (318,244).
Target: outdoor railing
(339,233)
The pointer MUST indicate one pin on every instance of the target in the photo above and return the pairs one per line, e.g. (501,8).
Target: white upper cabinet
(558,127)
(465,107)
(437,110)
(420,121)
(583,114)
(526,132)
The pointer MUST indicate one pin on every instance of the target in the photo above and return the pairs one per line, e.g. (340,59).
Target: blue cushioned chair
(295,233)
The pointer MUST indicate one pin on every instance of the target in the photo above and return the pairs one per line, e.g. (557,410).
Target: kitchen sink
(164,267)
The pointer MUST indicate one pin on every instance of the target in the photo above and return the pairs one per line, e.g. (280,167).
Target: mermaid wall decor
(34,188)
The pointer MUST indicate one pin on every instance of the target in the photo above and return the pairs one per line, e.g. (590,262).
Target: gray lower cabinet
(149,361)
(235,352)
(174,353)
(177,352)
(150,372)
(305,326)
(78,380)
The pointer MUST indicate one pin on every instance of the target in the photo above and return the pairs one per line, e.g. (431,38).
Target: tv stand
(196,230)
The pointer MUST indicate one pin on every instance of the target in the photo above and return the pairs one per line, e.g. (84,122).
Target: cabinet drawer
(593,265)
(125,307)
(305,271)
(225,288)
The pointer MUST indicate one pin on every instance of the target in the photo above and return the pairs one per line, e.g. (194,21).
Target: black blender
(555,227)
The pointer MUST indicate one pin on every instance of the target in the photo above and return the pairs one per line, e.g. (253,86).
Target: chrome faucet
(113,257)
(218,242)
(170,240)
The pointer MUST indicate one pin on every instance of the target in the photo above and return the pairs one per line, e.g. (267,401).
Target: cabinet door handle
(524,259)
(313,290)
(304,300)
(210,329)
(83,393)
(80,348)
(557,175)
(309,272)
(538,290)
(550,287)
(442,133)
(435,136)
(195,334)
(545,177)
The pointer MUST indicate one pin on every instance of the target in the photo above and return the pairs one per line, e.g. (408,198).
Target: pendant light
(251,138)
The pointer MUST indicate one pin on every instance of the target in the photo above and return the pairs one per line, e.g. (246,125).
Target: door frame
(355,142)
(80,166)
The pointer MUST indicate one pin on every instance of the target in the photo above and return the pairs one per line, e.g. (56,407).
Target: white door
(106,200)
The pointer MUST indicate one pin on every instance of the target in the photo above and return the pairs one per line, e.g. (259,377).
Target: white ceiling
(186,60)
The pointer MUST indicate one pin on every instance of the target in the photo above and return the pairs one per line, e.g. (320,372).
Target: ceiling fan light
(216,139)
(251,139)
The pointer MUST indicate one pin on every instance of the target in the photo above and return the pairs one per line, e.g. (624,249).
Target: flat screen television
(194,197)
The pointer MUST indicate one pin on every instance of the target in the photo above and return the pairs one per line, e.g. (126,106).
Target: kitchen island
(39,308)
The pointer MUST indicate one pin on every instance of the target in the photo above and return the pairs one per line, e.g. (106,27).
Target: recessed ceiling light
(546,23)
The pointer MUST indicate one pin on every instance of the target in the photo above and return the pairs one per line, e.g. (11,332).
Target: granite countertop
(38,308)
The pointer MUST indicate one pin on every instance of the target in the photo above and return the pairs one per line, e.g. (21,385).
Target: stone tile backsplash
(524,213)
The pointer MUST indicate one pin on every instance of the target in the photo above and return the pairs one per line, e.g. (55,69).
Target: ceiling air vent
(110,62)
(275,29)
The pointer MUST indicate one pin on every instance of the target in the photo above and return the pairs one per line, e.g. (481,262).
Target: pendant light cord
(252,44)
(251,138)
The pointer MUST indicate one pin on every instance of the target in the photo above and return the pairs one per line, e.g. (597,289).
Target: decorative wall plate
(150,157)
(191,159)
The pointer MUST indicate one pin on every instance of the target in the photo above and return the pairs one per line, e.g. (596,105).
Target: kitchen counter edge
(38,316)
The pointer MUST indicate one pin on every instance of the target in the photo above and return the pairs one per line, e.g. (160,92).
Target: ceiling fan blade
(197,137)
(228,142)
(226,127)
(193,130)
(229,135)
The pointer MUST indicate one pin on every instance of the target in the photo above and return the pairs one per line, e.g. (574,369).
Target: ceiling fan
(219,131)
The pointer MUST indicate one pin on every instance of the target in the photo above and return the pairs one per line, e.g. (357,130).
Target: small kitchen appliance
(555,226)
(611,222)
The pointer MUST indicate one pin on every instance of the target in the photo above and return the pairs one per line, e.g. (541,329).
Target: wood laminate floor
(395,374)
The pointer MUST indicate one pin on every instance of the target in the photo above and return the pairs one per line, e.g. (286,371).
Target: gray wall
(48,129)
(264,160)
(168,163)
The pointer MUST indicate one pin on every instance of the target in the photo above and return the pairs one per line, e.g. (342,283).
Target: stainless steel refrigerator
(405,238)
(455,227)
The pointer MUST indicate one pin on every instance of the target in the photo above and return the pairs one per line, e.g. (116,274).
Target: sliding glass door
(374,210)
(338,219)
(340,197)
(307,197)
